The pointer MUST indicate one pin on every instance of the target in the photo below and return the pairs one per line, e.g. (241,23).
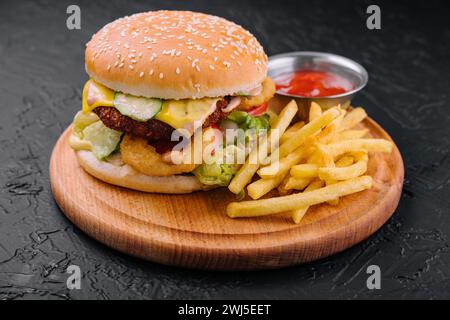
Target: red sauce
(309,83)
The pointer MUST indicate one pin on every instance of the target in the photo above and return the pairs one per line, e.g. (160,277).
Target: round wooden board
(193,230)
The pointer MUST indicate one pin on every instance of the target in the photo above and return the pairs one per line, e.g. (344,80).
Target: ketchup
(310,83)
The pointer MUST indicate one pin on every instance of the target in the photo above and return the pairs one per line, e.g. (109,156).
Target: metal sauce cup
(291,62)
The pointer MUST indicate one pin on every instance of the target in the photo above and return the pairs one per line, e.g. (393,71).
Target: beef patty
(156,132)
(151,130)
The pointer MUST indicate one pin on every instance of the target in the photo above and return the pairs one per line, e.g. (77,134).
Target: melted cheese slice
(179,114)
(186,114)
(96,95)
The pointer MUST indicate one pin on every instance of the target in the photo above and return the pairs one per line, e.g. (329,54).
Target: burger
(156,73)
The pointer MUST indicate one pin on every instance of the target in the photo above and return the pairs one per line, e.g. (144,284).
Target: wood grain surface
(193,230)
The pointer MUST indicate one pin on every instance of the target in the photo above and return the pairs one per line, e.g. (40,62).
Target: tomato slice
(215,126)
(256,111)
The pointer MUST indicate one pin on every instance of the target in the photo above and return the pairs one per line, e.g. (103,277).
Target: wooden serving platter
(193,230)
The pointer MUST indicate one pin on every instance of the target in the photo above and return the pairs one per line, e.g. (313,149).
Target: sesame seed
(149,28)
(178,71)
(161,75)
(141,74)
(109,67)
(152,72)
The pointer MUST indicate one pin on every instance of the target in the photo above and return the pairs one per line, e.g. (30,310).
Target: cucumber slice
(137,108)
(103,139)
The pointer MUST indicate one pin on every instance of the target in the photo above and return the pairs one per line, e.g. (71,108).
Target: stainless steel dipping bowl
(286,63)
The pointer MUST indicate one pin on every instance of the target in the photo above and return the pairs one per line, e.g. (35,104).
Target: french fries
(298,200)
(260,187)
(297,183)
(245,173)
(263,186)
(315,111)
(324,155)
(285,117)
(302,135)
(316,162)
(305,170)
(344,161)
(335,201)
(371,145)
(309,170)
(282,187)
(291,131)
(298,214)
(348,172)
(324,158)
(249,168)
(351,134)
(353,118)
(301,153)
(283,165)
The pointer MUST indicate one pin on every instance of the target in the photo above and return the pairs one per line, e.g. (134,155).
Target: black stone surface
(41,76)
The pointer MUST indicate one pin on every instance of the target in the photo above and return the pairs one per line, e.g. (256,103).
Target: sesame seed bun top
(176,55)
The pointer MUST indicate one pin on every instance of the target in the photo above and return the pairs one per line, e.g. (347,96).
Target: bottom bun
(125,176)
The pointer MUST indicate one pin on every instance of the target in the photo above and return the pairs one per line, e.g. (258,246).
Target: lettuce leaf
(215,174)
(246,121)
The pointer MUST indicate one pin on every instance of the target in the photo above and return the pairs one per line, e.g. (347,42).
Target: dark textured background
(41,77)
